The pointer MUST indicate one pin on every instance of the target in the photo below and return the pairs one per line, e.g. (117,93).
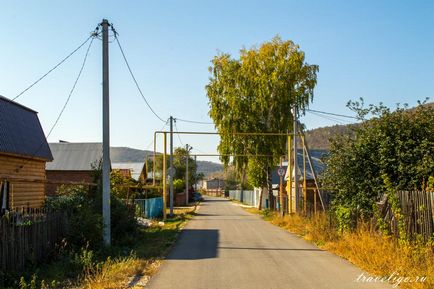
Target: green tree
(391,151)
(255,94)
(179,163)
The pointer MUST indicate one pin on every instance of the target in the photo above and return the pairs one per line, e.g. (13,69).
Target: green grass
(112,267)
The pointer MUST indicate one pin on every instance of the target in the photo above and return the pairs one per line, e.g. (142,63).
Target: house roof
(317,163)
(74,156)
(21,132)
(136,168)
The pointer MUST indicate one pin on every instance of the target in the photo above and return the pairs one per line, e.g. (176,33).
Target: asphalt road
(226,247)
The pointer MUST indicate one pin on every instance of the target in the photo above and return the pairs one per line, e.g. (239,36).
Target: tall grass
(377,254)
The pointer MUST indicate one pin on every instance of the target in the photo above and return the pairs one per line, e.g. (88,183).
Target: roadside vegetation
(81,261)
(123,265)
(376,253)
(392,151)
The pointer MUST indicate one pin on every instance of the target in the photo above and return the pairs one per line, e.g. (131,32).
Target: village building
(24,152)
(214,187)
(134,170)
(74,163)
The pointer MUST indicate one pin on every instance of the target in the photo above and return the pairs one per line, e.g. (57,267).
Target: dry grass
(134,271)
(377,254)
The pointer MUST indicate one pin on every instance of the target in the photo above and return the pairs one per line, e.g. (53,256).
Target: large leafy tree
(255,93)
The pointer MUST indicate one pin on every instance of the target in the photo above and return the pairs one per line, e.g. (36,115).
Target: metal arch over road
(224,247)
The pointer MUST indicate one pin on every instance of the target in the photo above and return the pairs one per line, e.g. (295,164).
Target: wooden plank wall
(417,208)
(29,236)
(29,189)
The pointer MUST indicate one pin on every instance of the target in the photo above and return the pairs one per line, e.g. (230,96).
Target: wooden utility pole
(106,135)
(296,189)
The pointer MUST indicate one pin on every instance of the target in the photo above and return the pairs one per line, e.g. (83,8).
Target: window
(4,196)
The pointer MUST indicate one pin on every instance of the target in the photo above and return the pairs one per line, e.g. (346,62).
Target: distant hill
(126,154)
(319,138)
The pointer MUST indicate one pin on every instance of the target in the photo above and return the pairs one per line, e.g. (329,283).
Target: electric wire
(331,113)
(194,121)
(64,106)
(152,141)
(134,78)
(330,118)
(179,137)
(72,89)
(56,66)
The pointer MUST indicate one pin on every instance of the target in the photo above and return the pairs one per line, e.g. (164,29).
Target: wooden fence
(29,236)
(417,209)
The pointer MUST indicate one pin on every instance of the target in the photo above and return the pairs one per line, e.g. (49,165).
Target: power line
(330,113)
(149,145)
(57,65)
(66,103)
(194,121)
(329,118)
(72,89)
(134,78)
(179,137)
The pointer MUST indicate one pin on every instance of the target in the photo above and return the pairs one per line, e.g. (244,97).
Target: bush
(391,151)
(84,214)
(84,221)
(178,185)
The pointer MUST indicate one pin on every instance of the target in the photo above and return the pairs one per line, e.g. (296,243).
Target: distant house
(73,163)
(23,154)
(214,184)
(214,187)
(134,170)
(318,168)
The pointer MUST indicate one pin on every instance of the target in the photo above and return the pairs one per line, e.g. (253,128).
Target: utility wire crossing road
(224,247)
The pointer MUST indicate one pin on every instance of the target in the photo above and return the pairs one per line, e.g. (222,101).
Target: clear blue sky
(379,50)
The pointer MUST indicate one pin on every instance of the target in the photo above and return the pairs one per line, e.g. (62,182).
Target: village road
(225,247)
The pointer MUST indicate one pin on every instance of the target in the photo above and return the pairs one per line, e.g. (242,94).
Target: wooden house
(23,154)
(73,163)
(309,196)
(134,170)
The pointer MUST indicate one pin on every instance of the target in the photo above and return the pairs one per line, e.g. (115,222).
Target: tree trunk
(260,199)
(243,177)
(270,189)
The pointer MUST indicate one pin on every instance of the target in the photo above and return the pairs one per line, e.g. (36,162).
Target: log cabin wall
(27,180)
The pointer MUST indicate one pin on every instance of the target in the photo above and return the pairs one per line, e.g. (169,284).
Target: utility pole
(106,135)
(195,176)
(171,169)
(187,148)
(296,189)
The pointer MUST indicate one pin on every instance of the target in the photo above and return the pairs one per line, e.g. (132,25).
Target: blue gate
(150,208)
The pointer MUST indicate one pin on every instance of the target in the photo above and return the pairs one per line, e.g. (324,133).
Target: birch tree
(255,93)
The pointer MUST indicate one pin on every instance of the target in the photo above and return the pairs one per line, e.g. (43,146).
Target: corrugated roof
(317,163)
(21,132)
(136,168)
(74,156)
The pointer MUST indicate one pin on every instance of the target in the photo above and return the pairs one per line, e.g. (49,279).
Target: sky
(382,51)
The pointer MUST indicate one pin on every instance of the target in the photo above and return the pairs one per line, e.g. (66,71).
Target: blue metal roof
(21,132)
(317,163)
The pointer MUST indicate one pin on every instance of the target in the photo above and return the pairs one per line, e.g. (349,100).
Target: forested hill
(318,138)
